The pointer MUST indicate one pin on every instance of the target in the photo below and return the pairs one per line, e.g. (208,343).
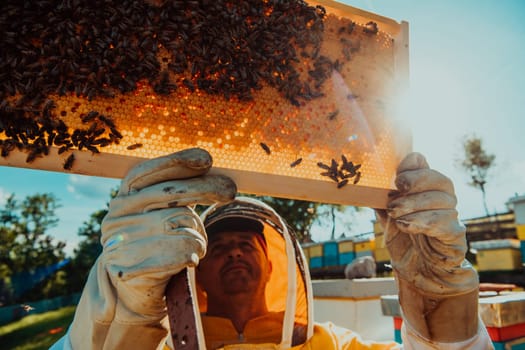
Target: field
(37,331)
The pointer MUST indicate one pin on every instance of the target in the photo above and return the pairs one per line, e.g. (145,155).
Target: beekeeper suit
(151,233)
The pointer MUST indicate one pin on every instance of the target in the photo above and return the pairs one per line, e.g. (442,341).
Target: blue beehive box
(330,253)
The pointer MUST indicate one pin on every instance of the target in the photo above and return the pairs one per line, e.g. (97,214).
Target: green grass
(36,332)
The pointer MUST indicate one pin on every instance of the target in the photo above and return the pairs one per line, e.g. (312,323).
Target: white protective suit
(151,233)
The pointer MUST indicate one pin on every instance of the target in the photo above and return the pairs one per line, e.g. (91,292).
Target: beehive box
(520,231)
(315,252)
(330,254)
(381,255)
(501,254)
(346,251)
(364,245)
(378,227)
(379,238)
(503,316)
(292,99)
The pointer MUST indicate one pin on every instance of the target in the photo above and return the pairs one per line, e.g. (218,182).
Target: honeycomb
(318,108)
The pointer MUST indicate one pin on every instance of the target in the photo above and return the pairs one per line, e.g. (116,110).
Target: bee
(330,174)
(92,148)
(357,177)
(164,86)
(333,177)
(51,138)
(371,28)
(68,164)
(96,132)
(102,142)
(333,115)
(32,155)
(334,165)
(296,162)
(115,133)
(345,161)
(189,84)
(106,120)
(323,166)
(7,146)
(342,183)
(77,136)
(265,148)
(351,27)
(294,102)
(63,149)
(89,117)
(338,65)
(24,139)
(134,146)
(48,106)
(5,107)
(27,307)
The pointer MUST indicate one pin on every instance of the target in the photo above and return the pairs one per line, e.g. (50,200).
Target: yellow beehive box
(495,255)
(364,246)
(378,228)
(346,246)
(520,231)
(379,240)
(381,254)
(315,250)
(294,100)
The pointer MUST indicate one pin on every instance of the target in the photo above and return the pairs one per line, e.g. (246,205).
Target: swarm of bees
(95,49)
(342,172)
(36,132)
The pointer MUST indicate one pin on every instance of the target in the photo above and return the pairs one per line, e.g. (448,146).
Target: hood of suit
(289,288)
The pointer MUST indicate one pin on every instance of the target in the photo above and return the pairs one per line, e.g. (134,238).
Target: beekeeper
(254,290)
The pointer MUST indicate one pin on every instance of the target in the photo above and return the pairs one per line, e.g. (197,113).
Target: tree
(302,215)
(29,256)
(477,163)
(336,215)
(88,249)
(87,252)
(299,215)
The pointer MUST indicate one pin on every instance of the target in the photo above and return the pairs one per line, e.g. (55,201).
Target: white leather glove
(438,288)
(149,234)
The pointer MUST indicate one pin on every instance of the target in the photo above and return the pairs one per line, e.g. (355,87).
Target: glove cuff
(100,321)
(439,318)
(123,336)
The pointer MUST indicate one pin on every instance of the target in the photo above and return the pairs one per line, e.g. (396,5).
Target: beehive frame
(308,145)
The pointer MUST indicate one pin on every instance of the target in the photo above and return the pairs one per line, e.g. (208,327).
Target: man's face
(235,263)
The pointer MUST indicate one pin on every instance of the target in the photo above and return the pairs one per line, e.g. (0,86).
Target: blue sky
(467,76)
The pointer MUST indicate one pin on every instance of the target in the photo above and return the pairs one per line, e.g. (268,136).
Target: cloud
(91,187)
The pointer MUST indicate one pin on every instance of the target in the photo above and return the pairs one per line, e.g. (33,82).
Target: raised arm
(438,288)
(149,234)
